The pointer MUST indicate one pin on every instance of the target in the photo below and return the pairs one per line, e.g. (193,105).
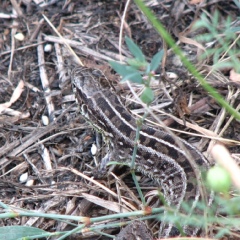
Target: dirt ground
(45,142)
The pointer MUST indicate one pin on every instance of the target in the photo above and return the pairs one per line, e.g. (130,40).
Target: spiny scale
(158,156)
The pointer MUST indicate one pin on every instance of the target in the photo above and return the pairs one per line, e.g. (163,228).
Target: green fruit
(219,179)
(147,96)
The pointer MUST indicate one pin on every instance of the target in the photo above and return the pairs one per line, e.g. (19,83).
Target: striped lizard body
(160,156)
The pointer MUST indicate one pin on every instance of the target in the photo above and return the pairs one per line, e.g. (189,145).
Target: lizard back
(160,156)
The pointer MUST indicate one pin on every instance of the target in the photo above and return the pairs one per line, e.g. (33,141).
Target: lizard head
(86,81)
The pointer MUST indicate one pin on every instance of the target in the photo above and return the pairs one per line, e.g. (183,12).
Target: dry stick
(107,204)
(36,31)
(219,120)
(7,16)
(24,143)
(17,8)
(119,182)
(60,65)
(86,50)
(33,167)
(64,41)
(19,49)
(44,78)
(28,140)
(96,183)
(13,32)
(216,125)
(45,208)
(19,146)
(228,122)
(121,29)
(33,139)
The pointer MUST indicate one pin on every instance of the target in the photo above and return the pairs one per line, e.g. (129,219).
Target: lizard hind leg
(103,168)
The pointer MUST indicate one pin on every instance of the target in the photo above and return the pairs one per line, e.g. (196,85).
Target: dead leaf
(194,2)
(110,205)
(17,92)
(192,42)
(235,77)
(4,106)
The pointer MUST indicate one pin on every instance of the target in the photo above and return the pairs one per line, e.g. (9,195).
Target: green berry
(219,179)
